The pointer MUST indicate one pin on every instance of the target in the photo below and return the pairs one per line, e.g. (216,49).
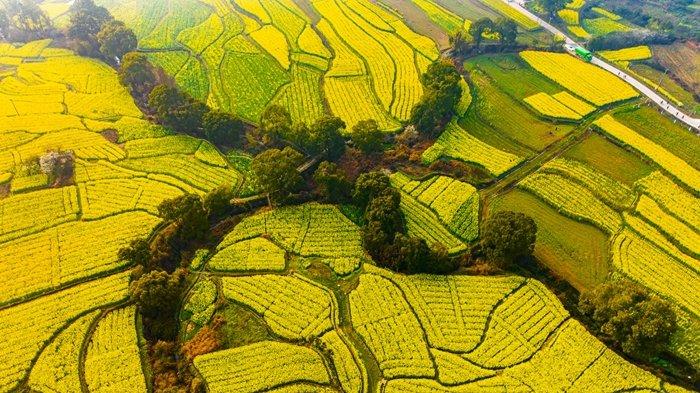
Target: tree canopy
(189,214)
(508,236)
(325,138)
(177,109)
(552,6)
(275,123)
(23,20)
(222,128)
(441,93)
(116,40)
(87,19)
(276,172)
(137,73)
(367,136)
(332,183)
(507,31)
(157,296)
(479,27)
(367,186)
(641,323)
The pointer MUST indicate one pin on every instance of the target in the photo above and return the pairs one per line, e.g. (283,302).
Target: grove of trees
(507,237)
(441,93)
(384,232)
(628,314)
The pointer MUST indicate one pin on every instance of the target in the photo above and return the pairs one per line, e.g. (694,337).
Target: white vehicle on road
(580,51)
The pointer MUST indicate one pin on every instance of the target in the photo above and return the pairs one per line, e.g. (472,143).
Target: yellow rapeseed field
(641,52)
(592,83)
(677,167)
(551,107)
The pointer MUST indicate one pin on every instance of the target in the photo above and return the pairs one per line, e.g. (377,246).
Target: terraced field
(642,220)
(612,185)
(242,56)
(405,333)
(53,284)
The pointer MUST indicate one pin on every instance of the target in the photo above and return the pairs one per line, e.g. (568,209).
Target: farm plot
(509,12)
(113,361)
(603,156)
(390,328)
(261,366)
(603,26)
(350,370)
(671,197)
(457,143)
(575,361)
(294,308)
(610,191)
(585,80)
(656,269)
(454,311)
(256,254)
(486,114)
(520,332)
(651,124)
(659,226)
(650,218)
(60,238)
(28,326)
(57,367)
(426,333)
(573,199)
(242,64)
(674,165)
(423,222)
(666,84)
(59,256)
(562,243)
(449,22)
(455,203)
(551,107)
(628,54)
(510,338)
(310,230)
(390,60)
(200,305)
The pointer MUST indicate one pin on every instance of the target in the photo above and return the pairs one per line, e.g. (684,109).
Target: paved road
(644,89)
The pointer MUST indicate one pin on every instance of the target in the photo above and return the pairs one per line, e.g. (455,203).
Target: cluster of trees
(384,232)
(175,108)
(506,30)
(626,39)
(552,6)
(288,144)
(92,31)
(159,282)
(23,20)
(441,93)
(159,272)
(507,237)
(627,314)
(323,138)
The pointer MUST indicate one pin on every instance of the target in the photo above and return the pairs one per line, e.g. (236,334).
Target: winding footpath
(644,89)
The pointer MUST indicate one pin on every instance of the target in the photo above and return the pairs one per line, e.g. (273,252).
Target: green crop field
(142,250)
